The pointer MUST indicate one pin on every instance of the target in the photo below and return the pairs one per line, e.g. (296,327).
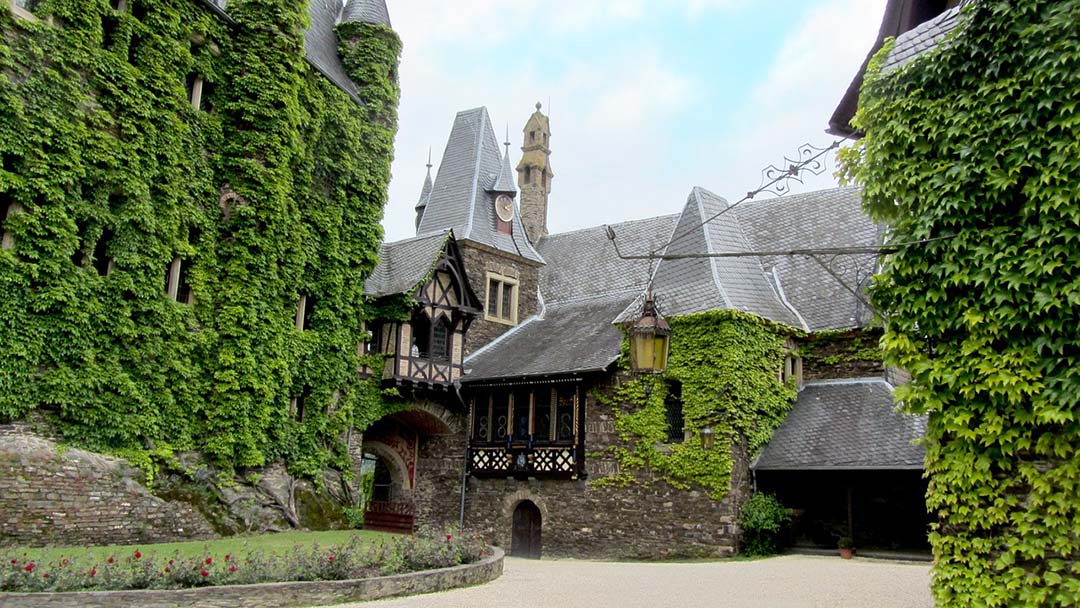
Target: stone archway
(389,507)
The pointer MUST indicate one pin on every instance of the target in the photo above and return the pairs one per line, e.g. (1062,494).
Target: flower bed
(355,559)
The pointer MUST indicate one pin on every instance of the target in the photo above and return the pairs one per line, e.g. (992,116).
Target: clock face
(504,207)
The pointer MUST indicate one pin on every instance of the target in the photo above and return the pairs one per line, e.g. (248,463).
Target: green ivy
(274,190)
(728,364)
(978,143)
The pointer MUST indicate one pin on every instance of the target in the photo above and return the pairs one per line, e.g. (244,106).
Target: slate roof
(845,424)
(922,38)
(689,285)
(584,286)
(404,264)
(462,197)
(571,337)
(366,11)
(826,218)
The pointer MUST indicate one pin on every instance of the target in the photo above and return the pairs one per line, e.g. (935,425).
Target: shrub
(764,520)
(356,558)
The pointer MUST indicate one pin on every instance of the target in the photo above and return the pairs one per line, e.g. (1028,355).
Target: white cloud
(633,130)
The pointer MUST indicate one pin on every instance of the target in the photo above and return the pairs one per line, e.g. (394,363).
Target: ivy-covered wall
(845,353)
(727,364)
(978,144)
(272,191)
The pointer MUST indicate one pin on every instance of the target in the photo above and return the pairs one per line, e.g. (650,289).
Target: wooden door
(526,532)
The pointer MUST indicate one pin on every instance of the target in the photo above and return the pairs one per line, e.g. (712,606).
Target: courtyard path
(791,581)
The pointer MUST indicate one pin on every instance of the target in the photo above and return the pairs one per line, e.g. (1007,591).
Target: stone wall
(74,497)
(645,520)
(852,354)
(479,260)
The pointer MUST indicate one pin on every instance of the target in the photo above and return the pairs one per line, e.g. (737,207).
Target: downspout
(465,461)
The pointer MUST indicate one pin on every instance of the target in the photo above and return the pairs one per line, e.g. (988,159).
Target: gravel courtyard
(788,581)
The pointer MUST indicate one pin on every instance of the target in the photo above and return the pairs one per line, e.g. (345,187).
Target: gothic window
(482,419)
(441,343)
(673,410)
(502,299)
(421,335)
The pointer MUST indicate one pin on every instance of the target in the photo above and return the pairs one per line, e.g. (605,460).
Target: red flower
(29,567)
(204,573)
(232,568)
(227,557)
(110,560)
(170,562)
(138,554)
(65,562)
(209,561)
(331,558)
(46,575)
(166,568)
(14,561)
(448,537)
(93,572)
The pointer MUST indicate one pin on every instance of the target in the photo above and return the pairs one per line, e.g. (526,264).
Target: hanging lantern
(708,437)
(650,339)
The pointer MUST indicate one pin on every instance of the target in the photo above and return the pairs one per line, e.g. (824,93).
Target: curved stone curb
(273,595)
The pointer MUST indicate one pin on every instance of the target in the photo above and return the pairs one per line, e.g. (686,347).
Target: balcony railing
(519,460)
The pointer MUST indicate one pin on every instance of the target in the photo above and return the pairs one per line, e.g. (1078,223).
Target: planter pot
(846,553)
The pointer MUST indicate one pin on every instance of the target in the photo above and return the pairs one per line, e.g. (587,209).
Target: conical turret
(366,11)
(425,194)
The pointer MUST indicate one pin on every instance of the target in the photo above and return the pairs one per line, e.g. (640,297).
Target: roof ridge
(608,295)
(696,194)
(614,225)
(844,381)
(478,130)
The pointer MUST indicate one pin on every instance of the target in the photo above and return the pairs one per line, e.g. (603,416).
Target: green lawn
(238,546)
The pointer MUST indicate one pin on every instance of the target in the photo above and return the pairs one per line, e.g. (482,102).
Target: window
(673,410)
(194,89)
(482,418)
(305,309)
(502,299)
(532,136)
(421,335)
(542,414)
(299,404)
(23,8)
(564,413)
(441,342)
(528,175)
(102,263)
(8,208)
(522,415)
(500,416)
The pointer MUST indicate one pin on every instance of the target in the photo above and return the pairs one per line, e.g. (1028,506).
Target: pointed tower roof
(462,196)
(366,11)
(696,284)
(505,183)
(425,192)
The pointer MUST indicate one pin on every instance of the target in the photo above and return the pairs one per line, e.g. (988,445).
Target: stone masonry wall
(643,520)
(480,260)
(73,497)
(853,354)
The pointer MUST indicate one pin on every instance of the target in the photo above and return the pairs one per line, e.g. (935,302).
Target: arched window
(441,343)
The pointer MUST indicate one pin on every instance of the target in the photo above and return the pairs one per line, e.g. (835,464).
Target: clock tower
(534,175)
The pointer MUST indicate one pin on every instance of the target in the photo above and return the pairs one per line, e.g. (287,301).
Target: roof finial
(429,159)
(507,142)
(538,106)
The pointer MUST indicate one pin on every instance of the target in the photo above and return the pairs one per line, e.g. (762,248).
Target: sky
(647,98)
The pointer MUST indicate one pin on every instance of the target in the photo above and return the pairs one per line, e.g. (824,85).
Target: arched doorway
(385,492)
(525,539)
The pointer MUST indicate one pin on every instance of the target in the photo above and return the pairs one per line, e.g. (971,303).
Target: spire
(425,192)
(366,11)
(534,174)
(505,183)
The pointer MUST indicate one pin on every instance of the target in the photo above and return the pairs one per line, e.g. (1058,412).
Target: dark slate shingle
(571,337)
(845,424)
(813,220)
(922,38)
(462,197)
(366,11)
(321,44)
(404,264)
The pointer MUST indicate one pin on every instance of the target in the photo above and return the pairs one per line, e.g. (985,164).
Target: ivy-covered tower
(534,175)
(187,272)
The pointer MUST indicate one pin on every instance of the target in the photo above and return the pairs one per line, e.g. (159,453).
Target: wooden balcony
(550,461)
(421,371)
